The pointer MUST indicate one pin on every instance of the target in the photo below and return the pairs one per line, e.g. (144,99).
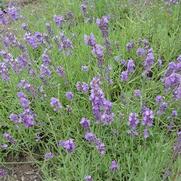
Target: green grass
(139,159)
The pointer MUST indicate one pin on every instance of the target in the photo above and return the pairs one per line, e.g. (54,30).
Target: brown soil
(20,168)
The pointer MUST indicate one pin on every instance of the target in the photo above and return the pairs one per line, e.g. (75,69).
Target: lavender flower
(82,87)
(133,120)
(159,99)
(27,86)
(162,108)
(124,75)
(9,138)
(4,71)
(84,7)
(102,108)
(46,59)
(114,166)
(65,44)
(3,18)
(2,172)
(177,93)
(58,20)
(140,52)
(48,156)
(97,50)
(88,178)
(44,71)
(174,113)
(172,81)
(130,66)
(90,137)
(100,146)
(149,61)
(130,46)
(60,71)
(13,13)
(137,93)
(103,25)
(23,100)
(85,123)
(90,40)
(14,118)
(146,133)
(54,102)
(33,40)
(148,117)
(28,118)
(84,68)
(177,146)
(69,95)
(68,145)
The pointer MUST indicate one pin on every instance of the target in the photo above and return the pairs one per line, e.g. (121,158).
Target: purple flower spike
(148,117)
(88,178)
(60,71)
(46,59)
(2,172)
(13,13)
(103,25)
(162,108)
(146,133)
(149,61)
(85,123)
(48,156)
(14,117)
(114,166)
(102,108)
(90,137)
(9,138)
(133,120)
(140,52)
(137,93)
(100,147)
(159,99)
(69,95)
(130,46)
(174,113)
(124,76)
(68,145)
(130,66)
(90,40)
(84,8)
(54,102)
(58,20)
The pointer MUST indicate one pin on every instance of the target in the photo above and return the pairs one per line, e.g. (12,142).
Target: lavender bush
(92,100)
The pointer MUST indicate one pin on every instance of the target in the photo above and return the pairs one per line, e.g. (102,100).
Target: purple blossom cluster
(68,145)
(9,138)
(147,121)
(172,78)
(82,87)
(91,138)
(149,60)
(55,104)
(101,107)
(34,40)
(11,13)
(130,69)
(27,117)
(65,44)
(58,20)
(83,8)
(97,49)
(103,25)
